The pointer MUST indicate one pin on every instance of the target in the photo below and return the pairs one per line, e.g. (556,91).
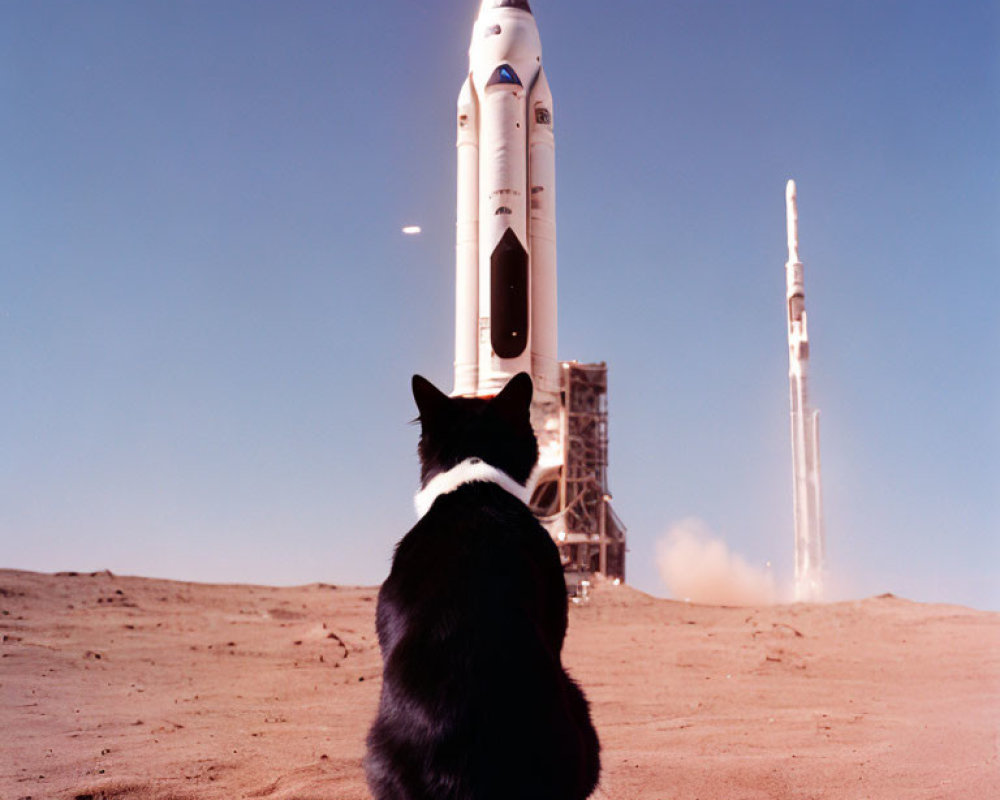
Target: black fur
(475,702)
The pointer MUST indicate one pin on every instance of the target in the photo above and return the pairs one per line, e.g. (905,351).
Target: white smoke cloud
(698,566)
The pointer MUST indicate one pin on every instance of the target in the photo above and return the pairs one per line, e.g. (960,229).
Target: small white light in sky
(411,230)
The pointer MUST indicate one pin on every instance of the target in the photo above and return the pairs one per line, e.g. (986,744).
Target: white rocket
(807,493)
(505,304)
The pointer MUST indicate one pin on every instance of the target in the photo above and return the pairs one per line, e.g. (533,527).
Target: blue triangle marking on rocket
(522,4)
(504,74)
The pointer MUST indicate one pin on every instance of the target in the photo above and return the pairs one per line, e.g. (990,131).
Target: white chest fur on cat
(472,470)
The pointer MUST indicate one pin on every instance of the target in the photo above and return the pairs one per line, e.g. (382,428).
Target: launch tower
(572,499)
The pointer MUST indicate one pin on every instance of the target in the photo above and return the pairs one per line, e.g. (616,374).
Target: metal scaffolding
(572,499)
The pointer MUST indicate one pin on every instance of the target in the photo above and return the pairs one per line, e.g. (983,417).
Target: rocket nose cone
(790,190)
(488,4)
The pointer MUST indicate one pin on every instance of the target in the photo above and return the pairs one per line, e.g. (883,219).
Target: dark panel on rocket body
(509,296)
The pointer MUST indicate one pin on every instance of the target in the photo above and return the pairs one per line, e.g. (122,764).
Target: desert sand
(118,687)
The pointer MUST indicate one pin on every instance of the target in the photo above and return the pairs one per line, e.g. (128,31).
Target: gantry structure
(572,499)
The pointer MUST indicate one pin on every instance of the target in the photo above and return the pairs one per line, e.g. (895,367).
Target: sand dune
(134,688)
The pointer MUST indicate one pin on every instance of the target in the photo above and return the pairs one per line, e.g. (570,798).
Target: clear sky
(209,316)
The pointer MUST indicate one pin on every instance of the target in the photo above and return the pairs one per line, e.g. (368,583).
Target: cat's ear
(514,402)
(431,401)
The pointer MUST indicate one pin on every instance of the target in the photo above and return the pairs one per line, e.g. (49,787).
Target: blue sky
(209,317)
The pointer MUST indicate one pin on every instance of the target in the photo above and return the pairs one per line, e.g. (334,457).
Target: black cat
(475,702)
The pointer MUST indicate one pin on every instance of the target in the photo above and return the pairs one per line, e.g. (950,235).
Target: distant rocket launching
(807,492)
(505,306)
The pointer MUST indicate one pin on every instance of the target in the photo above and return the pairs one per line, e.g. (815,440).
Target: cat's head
(497,430)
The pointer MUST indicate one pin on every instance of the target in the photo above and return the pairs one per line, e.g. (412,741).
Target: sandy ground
(135,688)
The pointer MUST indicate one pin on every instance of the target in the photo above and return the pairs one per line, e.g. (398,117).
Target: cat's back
(479,557)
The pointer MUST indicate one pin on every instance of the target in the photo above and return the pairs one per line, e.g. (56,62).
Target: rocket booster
(505,302)
(807,494)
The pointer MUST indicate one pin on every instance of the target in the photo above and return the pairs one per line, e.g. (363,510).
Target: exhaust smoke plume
(697,566)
